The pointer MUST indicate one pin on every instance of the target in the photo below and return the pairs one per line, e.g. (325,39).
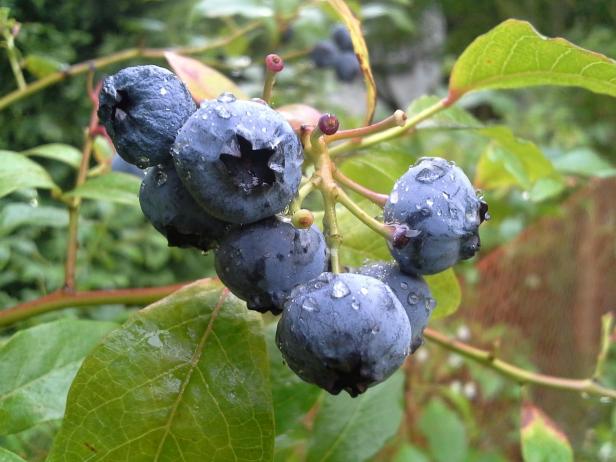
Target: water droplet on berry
(364,291)
(161,178)
(413,298)
(226,97)
(340,289)
(430,303)
(276,167)
(222,112)
(375,330)
(446,195)
(355,305)
(429,202)
(310,304)
(404,285)
(163,91)
(430,174)
(393,197)
(142,162)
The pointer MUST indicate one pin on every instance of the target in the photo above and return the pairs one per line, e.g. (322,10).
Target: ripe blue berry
(342,38)
(170,208)
(324,54)
(343,332)
(262,262)
(347,66)
(240,160)
(142,109)
(412,292)
(438,204)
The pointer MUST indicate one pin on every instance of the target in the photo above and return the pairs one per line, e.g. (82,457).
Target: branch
(515,373)
(68,299)
(115,58)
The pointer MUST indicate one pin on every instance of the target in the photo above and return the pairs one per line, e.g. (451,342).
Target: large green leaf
(15,215)
(445,289)
(8,456)
(408,453)
(185,379)
(19,172)
(291,395)
(355,429)
(118,187)
(514,55)
(584,162)
(511,161)
(542,440)
(56,151)
(37,366)
(444,431)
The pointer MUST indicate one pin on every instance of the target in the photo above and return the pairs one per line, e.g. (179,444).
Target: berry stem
(11,51)
(397,119)
(518,374)
(391,133)
(362,215)
(373,196)
(273,65)
(303,191)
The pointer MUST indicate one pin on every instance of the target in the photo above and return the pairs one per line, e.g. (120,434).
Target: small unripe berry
(274,63)
(329,124)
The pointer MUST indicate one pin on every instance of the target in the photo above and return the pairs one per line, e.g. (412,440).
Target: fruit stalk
(373,196)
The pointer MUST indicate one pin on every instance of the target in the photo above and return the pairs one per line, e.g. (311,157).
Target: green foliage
(438,423)
(118,187)
(542,441)
(19,172)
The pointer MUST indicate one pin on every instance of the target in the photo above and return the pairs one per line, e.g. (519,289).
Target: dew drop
(430,174)
(161,178)
(226,97)
(413,298)
(310,304)
(355,305)
(429,202)
(364,291)
(142,162)
(446,195)
(276,167)
(340,289)
(393,197)
(163,91)
(430,303)
(222,112)
(404,285)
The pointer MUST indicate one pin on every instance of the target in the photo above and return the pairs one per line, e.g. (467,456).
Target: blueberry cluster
(337,53)
(219,178)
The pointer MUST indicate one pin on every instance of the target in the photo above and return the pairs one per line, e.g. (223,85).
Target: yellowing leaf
(202,81)
(514,55)
(361,51)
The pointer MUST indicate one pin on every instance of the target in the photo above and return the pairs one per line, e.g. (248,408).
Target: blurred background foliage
(454,411)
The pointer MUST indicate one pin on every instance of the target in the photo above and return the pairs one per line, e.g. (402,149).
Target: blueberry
(343,332)
(347,66)
(240,160)
(142,109)
(167,204)
(262,262)
(342,38)
(412,292)
(324,54)
(435,200)
(120,165)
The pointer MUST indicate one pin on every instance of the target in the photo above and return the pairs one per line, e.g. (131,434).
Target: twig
(115,58)
(515,373)
(68,299)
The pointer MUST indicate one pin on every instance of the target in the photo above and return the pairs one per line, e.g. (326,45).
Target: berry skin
(324,54)
(120,165)
(342,38)
(262,262)
(343,332)
(240,160)
(412,292)
(437,202)
(170,208)
(142,109)
(329,124)
(347,66)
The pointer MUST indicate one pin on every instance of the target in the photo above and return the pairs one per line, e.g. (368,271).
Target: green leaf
(453,117)
(19,172)
(514,55)
(202,81)
(445,289)
(355,429)
(584,162)
(15,215)
(37,366)
(56,151)
(408,453)
(41,66)
(439,423)
(8,456)
(118,187)
(223,8)
(510,161)
(291,395)
(185,379)
(542,440)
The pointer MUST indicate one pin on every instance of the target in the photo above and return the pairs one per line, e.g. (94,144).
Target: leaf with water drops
(185,379)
